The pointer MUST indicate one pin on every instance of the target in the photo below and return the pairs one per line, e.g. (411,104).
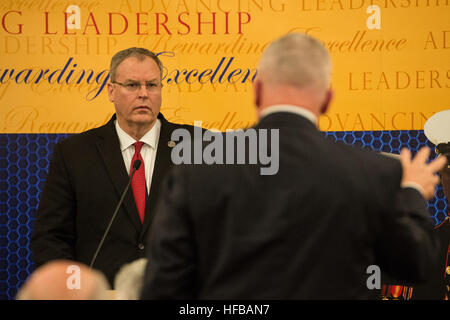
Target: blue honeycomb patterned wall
(393,142)
(24,161)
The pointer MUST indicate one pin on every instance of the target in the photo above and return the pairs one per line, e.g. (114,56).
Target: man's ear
(111,91)
(257,90)
(326,103)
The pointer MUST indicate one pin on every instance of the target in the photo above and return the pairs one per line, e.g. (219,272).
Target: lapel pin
(171,144)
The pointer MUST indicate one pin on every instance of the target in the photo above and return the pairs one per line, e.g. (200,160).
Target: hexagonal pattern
(24,161)
(393,142)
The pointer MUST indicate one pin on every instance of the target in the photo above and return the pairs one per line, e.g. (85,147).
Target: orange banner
(391,59)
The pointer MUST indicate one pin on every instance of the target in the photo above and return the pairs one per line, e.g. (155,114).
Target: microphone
(136,165)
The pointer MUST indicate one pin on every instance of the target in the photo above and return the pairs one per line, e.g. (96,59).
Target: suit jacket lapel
(109,149)
(163,163)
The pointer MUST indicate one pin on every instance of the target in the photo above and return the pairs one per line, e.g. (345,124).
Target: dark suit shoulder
(375,177)
(173,126)
(374,162)
(89,135)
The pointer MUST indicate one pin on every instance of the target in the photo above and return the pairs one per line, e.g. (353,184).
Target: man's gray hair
(128,281)
(139,53)
(297,60)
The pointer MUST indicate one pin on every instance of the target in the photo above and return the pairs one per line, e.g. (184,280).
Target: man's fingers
(422,155)
(405,157)
(438,179)
(437,164)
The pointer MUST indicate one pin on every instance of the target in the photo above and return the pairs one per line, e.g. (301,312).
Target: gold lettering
(321,125)
(343,125)
(430,39)
(336,2)
(206,6)
(366,44)
(366,80)
(255,2)
(383,80)
(360,6)
(400,44)
(281,8)
(185,7)
(358,122)
(448,78)
(434,75)
(20,119)
(303,6)
(382,125)
(8,49)
(350,77)
(397,77)
(394,118)
(31,45)
(123,4)
(420,79)
(423,119)
(320,5)
(46,43)
(444,35)
(236,89)
(3,89)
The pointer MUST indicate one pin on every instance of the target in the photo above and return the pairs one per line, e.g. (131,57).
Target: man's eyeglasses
(134,86)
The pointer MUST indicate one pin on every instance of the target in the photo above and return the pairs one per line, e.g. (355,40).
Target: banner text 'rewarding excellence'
(223,72)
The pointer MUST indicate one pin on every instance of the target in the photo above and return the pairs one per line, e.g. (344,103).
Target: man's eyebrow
(133,80)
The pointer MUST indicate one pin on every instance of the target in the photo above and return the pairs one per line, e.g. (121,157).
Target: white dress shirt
(148,151)
(292,109)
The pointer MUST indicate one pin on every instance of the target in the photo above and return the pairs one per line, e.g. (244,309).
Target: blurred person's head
(436,129)
(295,70)
(64,280)
(128,281)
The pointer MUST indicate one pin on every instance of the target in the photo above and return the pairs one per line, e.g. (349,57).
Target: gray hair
(128,281)
(139,53)
(101,287)
(297,60)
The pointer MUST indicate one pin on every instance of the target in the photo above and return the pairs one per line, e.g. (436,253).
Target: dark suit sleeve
(171,268)
(54,228)
(407,248)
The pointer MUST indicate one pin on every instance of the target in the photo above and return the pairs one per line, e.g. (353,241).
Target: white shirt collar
(292,109)
(149,138)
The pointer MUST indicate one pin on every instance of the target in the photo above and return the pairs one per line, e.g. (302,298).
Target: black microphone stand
(136,166)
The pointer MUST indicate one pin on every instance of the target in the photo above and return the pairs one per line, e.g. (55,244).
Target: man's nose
(143,90)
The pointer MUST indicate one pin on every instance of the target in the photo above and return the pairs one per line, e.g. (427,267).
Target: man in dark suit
(310,231)
(89,172)
(437,131)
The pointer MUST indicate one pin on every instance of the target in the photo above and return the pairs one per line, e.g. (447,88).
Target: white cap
(437,127)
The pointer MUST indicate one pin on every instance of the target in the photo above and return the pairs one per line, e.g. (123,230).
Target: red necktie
(138,182)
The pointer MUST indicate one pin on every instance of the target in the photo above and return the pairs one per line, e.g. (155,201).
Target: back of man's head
(296,60)
(64,280)
(129,279)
